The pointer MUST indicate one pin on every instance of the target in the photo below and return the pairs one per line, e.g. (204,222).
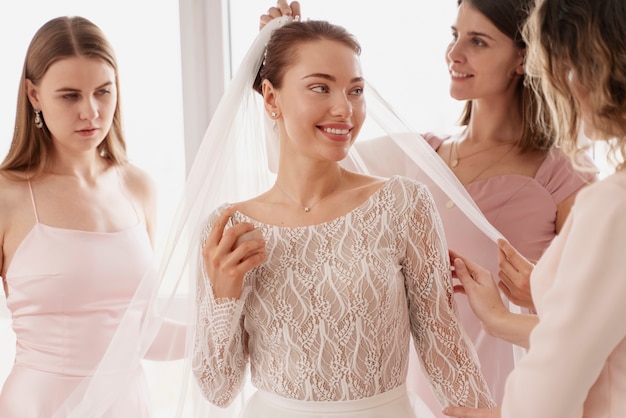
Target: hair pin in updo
(280,22)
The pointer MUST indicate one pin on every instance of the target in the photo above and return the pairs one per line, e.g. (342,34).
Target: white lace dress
(328,317)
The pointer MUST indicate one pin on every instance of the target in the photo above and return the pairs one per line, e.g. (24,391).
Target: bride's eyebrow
(330,77)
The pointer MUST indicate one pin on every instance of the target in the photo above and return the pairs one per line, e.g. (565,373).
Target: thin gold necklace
(457,159)
(493,164)
(450,202)
(308,208)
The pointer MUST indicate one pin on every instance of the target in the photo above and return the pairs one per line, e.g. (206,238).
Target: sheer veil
(236,161)
(238,156)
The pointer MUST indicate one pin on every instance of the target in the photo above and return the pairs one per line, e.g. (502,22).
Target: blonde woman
(76,232)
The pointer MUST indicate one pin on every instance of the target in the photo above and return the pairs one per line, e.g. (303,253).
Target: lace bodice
(329,314)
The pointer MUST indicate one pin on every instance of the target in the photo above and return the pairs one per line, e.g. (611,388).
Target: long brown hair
(509,17)
(63,37)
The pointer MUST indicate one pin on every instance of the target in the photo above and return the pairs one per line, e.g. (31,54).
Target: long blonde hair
(63,37)
(582,41)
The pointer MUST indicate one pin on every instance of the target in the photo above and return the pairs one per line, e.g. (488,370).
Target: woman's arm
(582,311)
(446,353)
(220,352)
(582,314)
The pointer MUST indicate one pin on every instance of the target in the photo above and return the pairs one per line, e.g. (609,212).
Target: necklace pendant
(307,209)
(454,162)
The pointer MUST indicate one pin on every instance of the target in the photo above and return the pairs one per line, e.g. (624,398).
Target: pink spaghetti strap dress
(68,290)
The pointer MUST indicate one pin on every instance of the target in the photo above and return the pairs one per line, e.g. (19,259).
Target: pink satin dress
(68,290)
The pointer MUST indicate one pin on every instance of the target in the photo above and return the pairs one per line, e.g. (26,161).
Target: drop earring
(38,120)
(274,115)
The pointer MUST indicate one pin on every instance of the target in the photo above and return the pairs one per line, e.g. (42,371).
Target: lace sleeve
(447,356)
(219,357)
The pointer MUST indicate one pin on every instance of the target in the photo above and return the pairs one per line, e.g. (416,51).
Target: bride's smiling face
(321,101)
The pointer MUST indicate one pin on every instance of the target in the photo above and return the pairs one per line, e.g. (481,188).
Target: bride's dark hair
(282,48)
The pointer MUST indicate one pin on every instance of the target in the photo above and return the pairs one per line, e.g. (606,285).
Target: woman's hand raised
(514,275)
(229,253)
(281,9)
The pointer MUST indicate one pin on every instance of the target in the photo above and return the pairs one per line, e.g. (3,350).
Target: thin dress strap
(125,192)
(32,199)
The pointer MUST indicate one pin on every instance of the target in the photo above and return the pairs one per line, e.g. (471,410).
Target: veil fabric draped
(235,162)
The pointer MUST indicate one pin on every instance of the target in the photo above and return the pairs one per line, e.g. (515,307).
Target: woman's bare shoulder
(135,175)
(11,182)
(138,181)
(13,194)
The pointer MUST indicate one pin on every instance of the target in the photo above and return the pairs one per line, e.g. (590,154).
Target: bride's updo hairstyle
(282,49)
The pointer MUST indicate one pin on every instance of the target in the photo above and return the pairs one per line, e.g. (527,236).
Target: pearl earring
(38,121)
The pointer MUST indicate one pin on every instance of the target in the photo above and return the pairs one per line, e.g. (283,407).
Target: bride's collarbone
(273,209)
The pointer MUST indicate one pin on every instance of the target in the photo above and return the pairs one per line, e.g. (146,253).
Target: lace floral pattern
(329,315)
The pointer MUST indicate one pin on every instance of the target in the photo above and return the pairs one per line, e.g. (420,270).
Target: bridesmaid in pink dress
(76,233)
(504,157)
(576,362)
